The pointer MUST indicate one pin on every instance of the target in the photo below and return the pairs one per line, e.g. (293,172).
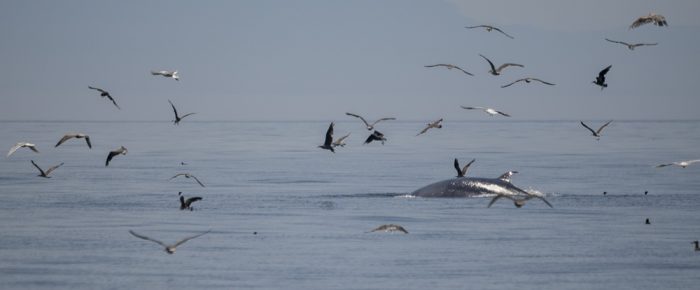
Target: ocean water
(285,214)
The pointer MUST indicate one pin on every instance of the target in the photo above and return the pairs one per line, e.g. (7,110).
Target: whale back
(468,187)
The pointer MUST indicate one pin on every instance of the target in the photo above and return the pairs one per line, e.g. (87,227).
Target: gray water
(311,208)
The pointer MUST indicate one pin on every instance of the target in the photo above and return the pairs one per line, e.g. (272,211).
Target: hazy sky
(315,60)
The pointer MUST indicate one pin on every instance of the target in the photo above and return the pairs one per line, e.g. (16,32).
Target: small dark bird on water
(389,228)
(122,150)
(697,245)
(170,249)
(328,142)
(647,222)
(463,171)
(45,174)
(600,79)
(645,192)
(177,117)
(376,136)
(605,192)
(187,203)
(103,94)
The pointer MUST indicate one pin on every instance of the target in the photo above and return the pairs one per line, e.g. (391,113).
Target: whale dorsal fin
(506,176)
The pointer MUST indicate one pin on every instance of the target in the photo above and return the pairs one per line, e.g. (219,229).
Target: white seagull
(167,74)
(20,145)
(631,46)
(170,249)
(341,141)
(46,173)
(77,136)
(651,18)
(489,111)
(683,164)
(370,127)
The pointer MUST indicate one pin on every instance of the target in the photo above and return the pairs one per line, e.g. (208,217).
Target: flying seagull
(170,249)
(104,93)
(187,203)
(489,111)
(651,18)
(683,164)
(600,80)
(463,171)
(631,46)
(167,74)
(46,173)
(489,28)
(341,141)
(497,71)
(450,66)
(20,145)
(177,117)
(376,136)
(75,135)
(596,133)
(187,175)
(328,142)
(527,80)
(517,201)
(434,124)
(370,127)
(121,150)
(389,228)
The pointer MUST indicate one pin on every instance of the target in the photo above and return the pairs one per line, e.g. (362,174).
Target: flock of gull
(332,144)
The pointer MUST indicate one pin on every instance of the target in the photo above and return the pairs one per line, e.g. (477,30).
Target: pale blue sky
(315,60)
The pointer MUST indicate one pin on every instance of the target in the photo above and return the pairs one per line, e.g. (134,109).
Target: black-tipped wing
(37,167)
(329,136)
(113,102)
(147,238)
(505,65)
(604,125)
(510,84)
(174,110)
(544,200)
(603,72)
(541,81)
(459,171)
(620,42)
(176,175)
(501,31)
(493,68)
(476,26)
(110,156)
(189,238)
(98,89)
(64,139)
(190,200)
(48,171)
(358,116)
(504,114)
(87,140)
(196,179)
(589,128)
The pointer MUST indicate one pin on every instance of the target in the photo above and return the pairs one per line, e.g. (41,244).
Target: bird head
(170,250)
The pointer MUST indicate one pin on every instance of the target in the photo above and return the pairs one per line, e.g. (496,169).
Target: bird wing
(176,175)
(97,89)
(196,179)
(472,108)
(542,198)
(493,68)
(114,102)
(155,73)
(87,140)
(464,170)
(647,44)
(508,85)
(37,167)
(187,115)
(464,71)
(147,238)
(602,73)
(110,156)
(329,135)
(14,148)
(692,161)
(615,41)
(459,171)
(664,165)
(64,139)
(48,171)
(358,116)
(501,31)
(371,138)
(174,110)
(189,238)
(401,229)
(641,21)
(382,119)
(439,64)
(507,65)
(477,26)
(32,147)
(589,128)
(504,114)
(541,81)
(425,129)
(192,199)
(604,125)
(341,139)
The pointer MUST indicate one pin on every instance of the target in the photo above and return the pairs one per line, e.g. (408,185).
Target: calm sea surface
(311,208)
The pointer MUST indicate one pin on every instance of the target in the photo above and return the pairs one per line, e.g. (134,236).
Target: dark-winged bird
(77,136)
(121,150)
(46,173)
(376,136)
(328,142)
(104,93)
(462,171)
(497,71)
(167,74)
(170,249)
(177,117)
(657,19)
(596,133)
(187,203)
(600,79)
